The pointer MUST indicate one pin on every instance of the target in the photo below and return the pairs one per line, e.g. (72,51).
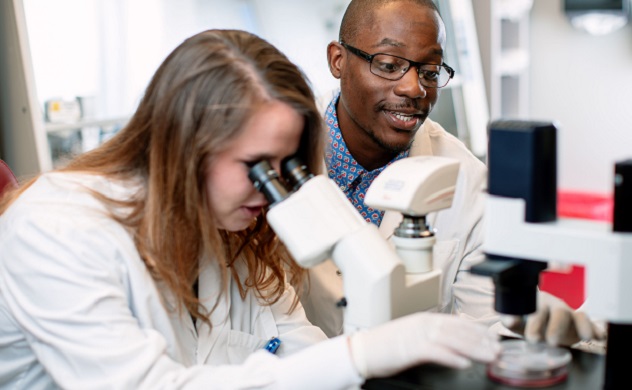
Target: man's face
(381,113)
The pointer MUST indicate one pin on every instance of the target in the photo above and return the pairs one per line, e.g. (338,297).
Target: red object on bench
(570,286)
(7,178)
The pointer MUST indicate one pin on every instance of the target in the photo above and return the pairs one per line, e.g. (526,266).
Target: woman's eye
(251,164)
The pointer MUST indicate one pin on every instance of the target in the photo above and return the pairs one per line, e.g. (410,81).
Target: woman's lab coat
(459,234)
(79,309)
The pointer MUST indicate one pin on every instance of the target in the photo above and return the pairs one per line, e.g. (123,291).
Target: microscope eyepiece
(295,172)
(266,180)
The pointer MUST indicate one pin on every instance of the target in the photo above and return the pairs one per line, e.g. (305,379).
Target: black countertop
(586,372)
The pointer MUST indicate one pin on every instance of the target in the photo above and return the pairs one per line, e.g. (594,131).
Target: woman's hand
(421,338)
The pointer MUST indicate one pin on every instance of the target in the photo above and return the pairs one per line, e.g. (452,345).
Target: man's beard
(391,147)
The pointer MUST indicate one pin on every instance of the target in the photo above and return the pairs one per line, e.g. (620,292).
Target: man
(389,60)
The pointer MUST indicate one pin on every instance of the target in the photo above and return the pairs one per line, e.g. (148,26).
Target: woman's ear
(335,58)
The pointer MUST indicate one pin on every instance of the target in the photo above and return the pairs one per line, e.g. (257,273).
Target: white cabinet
(104,53)
(100,52)
(23,139)
(503,32)
(52,51)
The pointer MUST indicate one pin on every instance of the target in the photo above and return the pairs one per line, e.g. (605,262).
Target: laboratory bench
(586,372)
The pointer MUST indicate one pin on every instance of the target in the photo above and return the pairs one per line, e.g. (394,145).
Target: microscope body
(317,222)
(523,233)
(415,187)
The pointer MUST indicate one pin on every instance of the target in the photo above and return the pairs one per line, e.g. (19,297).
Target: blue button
(273,345)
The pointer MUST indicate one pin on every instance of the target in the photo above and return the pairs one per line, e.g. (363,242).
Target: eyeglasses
(393,68)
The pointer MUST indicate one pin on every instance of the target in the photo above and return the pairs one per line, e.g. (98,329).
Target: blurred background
(73,71)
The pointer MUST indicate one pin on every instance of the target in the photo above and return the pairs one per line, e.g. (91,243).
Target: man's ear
(335,58)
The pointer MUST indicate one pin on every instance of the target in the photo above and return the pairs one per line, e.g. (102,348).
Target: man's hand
(557,323)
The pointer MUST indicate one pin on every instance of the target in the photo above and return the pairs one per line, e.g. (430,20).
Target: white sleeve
(326,365)
(63,284)
(473,294)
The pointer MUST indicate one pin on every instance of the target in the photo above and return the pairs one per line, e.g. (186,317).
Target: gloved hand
(557,323)
(421,338)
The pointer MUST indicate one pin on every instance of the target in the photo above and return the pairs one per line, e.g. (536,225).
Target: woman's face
(272,133)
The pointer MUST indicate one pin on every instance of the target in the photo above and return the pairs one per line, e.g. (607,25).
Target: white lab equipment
(316,222)
(415,187)
(522,233)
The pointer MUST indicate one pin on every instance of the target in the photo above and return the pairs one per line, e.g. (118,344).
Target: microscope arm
(604,253)
(317,223)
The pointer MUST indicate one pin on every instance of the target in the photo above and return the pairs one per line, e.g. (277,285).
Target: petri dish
(529,365)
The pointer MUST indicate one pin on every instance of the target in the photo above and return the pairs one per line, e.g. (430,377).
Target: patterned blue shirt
(348,174)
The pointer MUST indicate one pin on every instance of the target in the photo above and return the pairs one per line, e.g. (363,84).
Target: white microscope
(522,234)
(316,222)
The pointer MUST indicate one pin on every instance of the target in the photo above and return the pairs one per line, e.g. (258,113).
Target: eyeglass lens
(394,68)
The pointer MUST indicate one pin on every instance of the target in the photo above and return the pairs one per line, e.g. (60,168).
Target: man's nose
(410,86)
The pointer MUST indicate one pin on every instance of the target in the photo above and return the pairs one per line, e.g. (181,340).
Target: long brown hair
(196,103)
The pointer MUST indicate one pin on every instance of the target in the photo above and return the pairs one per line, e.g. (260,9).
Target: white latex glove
(559,324)
(421,338)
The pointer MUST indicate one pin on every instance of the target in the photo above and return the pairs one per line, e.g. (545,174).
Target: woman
(147,263)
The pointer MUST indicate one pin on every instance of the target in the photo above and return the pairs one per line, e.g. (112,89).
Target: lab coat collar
(421,144)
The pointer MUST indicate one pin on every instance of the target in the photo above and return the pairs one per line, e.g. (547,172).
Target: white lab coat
(79,310)
(459,234)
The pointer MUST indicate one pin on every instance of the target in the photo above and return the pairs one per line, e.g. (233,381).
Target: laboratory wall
(583,82)
(107,49)
(76,69)
(111,48)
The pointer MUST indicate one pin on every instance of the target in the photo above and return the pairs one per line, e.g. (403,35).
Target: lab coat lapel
(422,145)
(181,319)
(209,289)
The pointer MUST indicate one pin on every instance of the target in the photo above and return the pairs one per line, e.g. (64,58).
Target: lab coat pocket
(444,255)
(241,345)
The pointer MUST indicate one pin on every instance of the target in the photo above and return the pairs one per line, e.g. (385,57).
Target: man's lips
(402,120)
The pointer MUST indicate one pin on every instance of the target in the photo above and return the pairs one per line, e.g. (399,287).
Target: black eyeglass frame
(413,64)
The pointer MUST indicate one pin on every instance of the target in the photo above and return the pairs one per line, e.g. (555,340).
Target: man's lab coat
(459,234)
(79,308)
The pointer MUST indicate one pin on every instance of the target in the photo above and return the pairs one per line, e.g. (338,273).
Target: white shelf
(513,62)
(503,30)
(513,10)
(463,110)
(54,127)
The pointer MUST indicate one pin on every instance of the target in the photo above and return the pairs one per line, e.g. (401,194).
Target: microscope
(523,234)
(316,222)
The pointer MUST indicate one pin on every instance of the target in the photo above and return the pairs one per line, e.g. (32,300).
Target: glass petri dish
(531,365)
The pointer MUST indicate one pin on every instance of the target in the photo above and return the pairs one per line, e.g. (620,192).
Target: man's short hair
(359,15)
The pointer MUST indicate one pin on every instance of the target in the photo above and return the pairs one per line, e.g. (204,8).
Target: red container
(569,286)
